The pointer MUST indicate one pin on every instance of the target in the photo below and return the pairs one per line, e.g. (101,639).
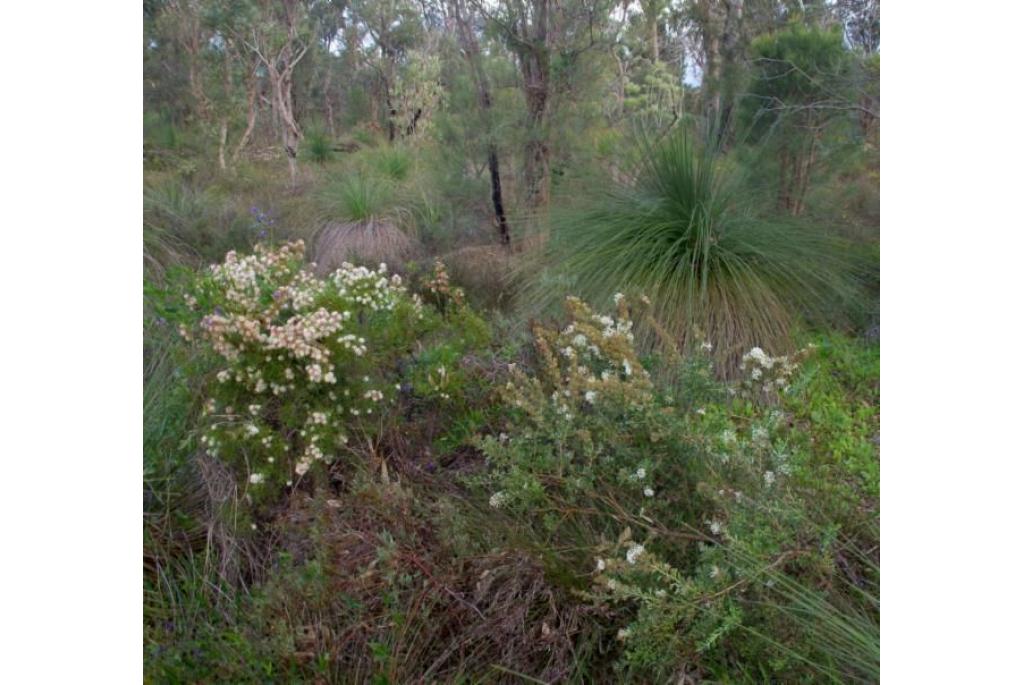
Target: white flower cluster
(370,288)
(300,335)
(240,278)
(772,373)
(561,407)
(611,327)
(353,343)
(634,552)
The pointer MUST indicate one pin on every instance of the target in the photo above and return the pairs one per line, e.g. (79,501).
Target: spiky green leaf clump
(318,147)
(357,197)
(394,163)
(680,234)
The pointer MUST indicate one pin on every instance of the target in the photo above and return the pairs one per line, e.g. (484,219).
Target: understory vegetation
(483,344)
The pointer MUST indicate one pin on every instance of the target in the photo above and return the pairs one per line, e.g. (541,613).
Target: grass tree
(679,232)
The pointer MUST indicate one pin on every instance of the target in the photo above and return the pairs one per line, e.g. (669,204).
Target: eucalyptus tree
(862,23)
(280,33)
(330,17)
(394,28)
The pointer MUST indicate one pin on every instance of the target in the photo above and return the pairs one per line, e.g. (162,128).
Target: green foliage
(318,146)
(160,133)
(801,73)
(654,95)
(357,197)
(681,235)
(800,107)
(352,479)
(708,529)
(186,224)
(187,637)
(588,439)
(393,162)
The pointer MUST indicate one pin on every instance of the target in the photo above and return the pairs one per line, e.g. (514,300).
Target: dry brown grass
(391,579)
(485,270)
(366,243)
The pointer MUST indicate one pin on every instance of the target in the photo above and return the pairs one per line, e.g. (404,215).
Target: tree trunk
(620,90)
(730,58)
(804,176)
(652,39)
(291,135)
(784,181)
(720,25)
(535,73)
(536,173)
(280,68)
(328,105)
(250,121)
(499,205)
(472,51)
(223,144)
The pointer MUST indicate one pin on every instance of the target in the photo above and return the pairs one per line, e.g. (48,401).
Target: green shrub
(701,526)
(590,447)
(785,579)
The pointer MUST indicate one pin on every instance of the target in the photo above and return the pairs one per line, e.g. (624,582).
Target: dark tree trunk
(499,206)
(534,66)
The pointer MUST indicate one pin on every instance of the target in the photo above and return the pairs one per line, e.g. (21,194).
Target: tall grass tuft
(842,626)
(394,163)
(679,232)
(318,147)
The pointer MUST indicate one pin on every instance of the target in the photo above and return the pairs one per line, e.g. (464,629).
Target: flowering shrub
(680,519)
(770,535)
(306,364)
(587,433)
(686,607)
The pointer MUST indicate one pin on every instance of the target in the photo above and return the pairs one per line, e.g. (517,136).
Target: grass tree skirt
(365,243)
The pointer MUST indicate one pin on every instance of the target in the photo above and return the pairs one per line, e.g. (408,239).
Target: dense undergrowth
(354,478)
(483,346)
